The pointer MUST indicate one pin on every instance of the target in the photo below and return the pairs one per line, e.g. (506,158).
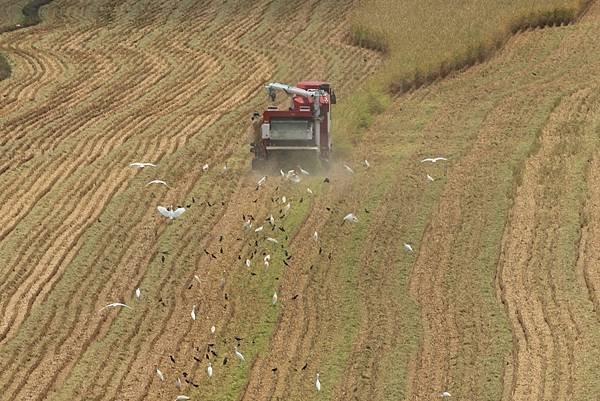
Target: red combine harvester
(304,127)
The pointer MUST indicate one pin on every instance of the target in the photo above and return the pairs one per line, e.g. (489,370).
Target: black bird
(189,205)
(286,263)
(206,252)
(193,200)
(190,287)
(213,255)
(172,359)
(295,296)
(366,211)
(320,250)
(208,203)
(226,297)
(301,200)
(162,258)
(274,370)
(305,365)
(197,359)
(213,352)
(326,179)
(225,361)
(238,338)
(221,250)
(221,239)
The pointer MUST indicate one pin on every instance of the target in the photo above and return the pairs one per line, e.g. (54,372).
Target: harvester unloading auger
(304,127)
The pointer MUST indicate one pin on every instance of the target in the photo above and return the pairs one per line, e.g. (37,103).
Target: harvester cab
(305,127)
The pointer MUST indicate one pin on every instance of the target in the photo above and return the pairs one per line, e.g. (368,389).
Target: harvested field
(499,299)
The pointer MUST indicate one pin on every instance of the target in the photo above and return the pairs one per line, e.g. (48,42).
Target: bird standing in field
(316,236)
(262,181)
(114,305)
(408,247)
(309,191)
(366,163)
(430,178)
(205,167)
(160,375)
(318,383)
(273,240)
(433,159)
(182,398)
(142,165)
(274,301)
(161,182)
(238,354)
(193,312)
(178,383)
(171,214)
(213,329)
(138,293)
(349,169)
(303,171)
(446,394)
(209,370)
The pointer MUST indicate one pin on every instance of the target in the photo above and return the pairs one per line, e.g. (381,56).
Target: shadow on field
(31,16)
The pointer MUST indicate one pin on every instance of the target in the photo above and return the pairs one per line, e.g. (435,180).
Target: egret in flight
(433,159)
(351,217)
(160,182)
(115,304)
(171,214)
(142,165)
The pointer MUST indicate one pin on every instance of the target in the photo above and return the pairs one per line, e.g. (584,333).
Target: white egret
(430,178)
(197,279)
(271,220)
(287,207)
(239,355)
(408,247)
(366,163)
(142,165)
(248,263)
(273,240)
(171,214)
(309,190)
(160,375)
(138,293)
(193,312)
(262,181)
(351,217)
(316,236)
(348,168)
(295,178)
(303,171)
(161,182)
(209,370)
(182,398)
(259,229)
(115,304)
(178,383)
(433,159)
(213,329)
(205,167)
(446,394)
(274,298)
(282,173)
(318,383)
(283,199)
(248,224)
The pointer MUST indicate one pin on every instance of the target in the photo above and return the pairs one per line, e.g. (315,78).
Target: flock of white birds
(291,175)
